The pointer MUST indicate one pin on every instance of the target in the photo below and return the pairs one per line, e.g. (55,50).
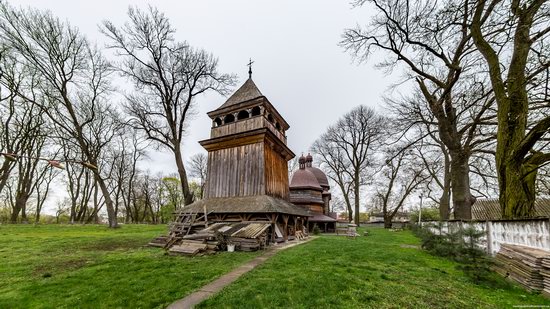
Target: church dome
(320,175)
(304,178)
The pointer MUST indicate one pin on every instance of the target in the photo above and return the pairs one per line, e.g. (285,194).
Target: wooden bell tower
(247,151)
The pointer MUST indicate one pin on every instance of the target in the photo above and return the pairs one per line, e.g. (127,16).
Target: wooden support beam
(285,233)
(273,223)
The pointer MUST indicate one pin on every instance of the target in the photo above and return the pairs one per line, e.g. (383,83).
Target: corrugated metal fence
(532,233)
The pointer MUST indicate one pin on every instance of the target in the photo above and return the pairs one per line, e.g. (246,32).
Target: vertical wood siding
(276,174)
(236,171)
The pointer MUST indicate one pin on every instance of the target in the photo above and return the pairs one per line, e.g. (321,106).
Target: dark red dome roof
(320,175)
(304,178)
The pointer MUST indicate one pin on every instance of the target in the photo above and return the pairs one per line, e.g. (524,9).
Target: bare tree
(518,62)
(399,177)
(71,85)
(347,150)
(432,40)
(167,75)
(198,167)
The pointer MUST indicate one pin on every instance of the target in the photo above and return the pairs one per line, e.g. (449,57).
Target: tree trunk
(356,197)
(445,199)
(517,198)
(187,195)
(460,181)
(387,222)
(20,202)
(445,205)
(4,174)
(111,215)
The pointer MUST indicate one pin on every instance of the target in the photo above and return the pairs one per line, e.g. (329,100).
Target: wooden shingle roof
(248,91)
(489,209)
(246,204)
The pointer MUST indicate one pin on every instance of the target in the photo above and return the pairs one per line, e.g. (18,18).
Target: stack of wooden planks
(522,264)
(545,272)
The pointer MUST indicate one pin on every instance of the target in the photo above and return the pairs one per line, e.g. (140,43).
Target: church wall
(276,173)
(236,171)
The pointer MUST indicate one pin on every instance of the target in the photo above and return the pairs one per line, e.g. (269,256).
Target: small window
(217,122)
(229,118)
(270,118)
(256,111)
(242,115)
(278,126)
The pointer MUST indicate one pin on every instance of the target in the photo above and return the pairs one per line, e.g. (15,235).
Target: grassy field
(93,267)
(383,270)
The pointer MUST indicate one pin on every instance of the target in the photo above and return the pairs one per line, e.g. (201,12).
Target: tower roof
(248,91)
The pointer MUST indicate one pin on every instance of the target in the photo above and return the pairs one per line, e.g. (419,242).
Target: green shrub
(316,230)
(461,246)
(475,262)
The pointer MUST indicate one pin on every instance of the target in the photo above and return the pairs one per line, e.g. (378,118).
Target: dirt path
(217,285)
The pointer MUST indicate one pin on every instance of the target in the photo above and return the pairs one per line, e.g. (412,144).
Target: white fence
(532,233)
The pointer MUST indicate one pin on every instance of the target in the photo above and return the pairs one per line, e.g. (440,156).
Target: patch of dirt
(110,245)
(410,246)
(50,269)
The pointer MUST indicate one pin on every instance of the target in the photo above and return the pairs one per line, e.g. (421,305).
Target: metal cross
(250,68)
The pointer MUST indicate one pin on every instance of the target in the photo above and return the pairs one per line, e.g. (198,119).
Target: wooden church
(247,188)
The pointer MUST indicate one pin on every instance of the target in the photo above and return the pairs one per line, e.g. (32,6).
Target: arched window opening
(256,111)
(242,115)
(217,122)
(229,118)
(278,126)
(270,118)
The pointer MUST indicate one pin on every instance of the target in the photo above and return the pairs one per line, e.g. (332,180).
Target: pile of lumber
(522,264)
(545,272)
(190,235)
(159,241)
(249,244)
(193,247)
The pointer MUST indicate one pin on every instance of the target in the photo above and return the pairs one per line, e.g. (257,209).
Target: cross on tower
(250,68)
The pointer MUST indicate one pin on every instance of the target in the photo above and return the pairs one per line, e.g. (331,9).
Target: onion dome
(309,160)
(302,159)
(305,179)
(320,175)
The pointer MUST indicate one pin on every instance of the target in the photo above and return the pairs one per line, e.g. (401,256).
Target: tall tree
(432,41)
(167,75)
(512,36)
(198,168)
(71,84)
(347,150)
(399,177)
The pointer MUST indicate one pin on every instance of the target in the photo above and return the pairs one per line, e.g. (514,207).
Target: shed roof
(246,204)
(321,218)
(489,209)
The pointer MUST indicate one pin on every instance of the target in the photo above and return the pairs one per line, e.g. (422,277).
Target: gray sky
(298,64)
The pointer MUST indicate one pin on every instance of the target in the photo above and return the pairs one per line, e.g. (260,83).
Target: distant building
(309,188)
(378,217)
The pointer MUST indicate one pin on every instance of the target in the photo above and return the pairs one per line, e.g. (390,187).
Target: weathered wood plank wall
(236,171)
(276,173)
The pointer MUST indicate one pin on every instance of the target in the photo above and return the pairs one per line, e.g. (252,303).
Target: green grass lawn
(94,267)
(78,266)
(383,270)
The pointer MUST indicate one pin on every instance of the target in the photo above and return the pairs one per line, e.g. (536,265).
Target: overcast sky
(298,64)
